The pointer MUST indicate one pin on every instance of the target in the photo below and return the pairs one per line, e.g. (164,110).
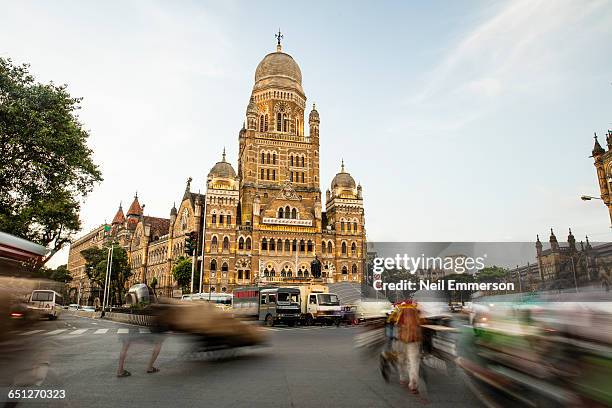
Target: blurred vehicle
(215,333)
(455,307)
(367,309)
(139,294)
(540,349)
(272,305)
(73,306)
(88,308)
(46,303)
(220,300)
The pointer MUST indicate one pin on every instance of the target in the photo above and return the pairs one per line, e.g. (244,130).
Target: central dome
(278,70)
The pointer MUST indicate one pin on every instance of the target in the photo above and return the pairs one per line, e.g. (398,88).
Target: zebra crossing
(67,333)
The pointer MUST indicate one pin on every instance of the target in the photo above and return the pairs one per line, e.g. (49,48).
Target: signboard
(177,293)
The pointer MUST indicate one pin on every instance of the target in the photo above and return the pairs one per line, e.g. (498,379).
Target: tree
(181,272)
(492,274)
(46,167)
(96,262)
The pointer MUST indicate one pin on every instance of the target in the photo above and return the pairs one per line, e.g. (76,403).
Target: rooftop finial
(278,36)
(136,194)
(223,154)
(342,166)
(314,106)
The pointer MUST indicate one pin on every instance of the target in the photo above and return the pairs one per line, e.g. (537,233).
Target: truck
(272,305)
(319,306)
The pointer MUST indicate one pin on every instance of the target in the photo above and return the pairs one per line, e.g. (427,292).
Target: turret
(314,121)
(538,246)
(554,244)
(571,240)
(251,114)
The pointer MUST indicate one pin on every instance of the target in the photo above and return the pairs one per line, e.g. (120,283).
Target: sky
(463,121)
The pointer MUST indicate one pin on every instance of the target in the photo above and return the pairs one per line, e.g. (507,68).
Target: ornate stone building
(263,222)
(603,165)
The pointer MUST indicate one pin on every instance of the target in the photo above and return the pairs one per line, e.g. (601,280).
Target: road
(302,367)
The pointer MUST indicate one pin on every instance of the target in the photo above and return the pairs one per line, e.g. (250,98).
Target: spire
(571,240)
(173,210)
(223,156)
(135,208)
(342,167)
(279,36)
(119,217)
(554,244)
(187,189)
(597,149)
(609,139)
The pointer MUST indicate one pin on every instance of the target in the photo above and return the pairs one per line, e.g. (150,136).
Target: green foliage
(96,263)
(45,164)
(60,274)
(181,272)
(492,274)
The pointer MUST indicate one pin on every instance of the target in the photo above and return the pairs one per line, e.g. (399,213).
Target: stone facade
(263,223)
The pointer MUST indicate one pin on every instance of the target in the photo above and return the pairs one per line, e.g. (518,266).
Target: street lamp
(589,198)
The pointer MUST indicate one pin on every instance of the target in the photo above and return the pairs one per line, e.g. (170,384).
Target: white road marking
(101,331)
(123,331)
(58,331)
(80,331)
(28,333)
(144,331)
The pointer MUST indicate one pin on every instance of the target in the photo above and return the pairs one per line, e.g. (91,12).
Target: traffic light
(191,242)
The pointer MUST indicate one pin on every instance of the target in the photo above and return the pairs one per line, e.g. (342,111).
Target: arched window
(329,247)
(353,249)
(214,243)
(342,226)
(226,244)
(248,244)
(229,220)
(264,244)
(302,161)
(263,157)
(344,248)
(224,267)
(280,212)
(261,123)
(279,245)
(287,212)
(294,214)
(267,174)
(221,219)
(213,265)
(214,219)
(291,160)
(272,245)
(273,174)
(302,246)
(294,245)
(279,122)
(266,123)
(344,270)
(241,243)
(354,226)
(262,174)
(354,268)
(273,158)
(285,122)
(268,158)
(287,246)
(302,177)
(323,247)
(309,247)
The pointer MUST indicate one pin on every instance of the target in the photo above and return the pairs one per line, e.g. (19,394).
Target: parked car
(73,306)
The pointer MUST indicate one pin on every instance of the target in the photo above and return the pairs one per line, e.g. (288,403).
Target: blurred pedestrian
(409,346)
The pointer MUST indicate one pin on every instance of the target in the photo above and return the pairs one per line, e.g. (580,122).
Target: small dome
(314,114)
(222,169)
(343,180)
(278,69)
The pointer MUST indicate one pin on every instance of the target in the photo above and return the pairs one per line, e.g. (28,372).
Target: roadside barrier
(141,320)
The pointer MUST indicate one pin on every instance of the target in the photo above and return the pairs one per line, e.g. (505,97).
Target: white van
(47,303)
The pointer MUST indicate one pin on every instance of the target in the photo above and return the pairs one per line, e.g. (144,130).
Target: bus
(221,300)
(46,303)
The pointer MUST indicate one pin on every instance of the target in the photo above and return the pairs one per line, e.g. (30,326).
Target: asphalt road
(301,367)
